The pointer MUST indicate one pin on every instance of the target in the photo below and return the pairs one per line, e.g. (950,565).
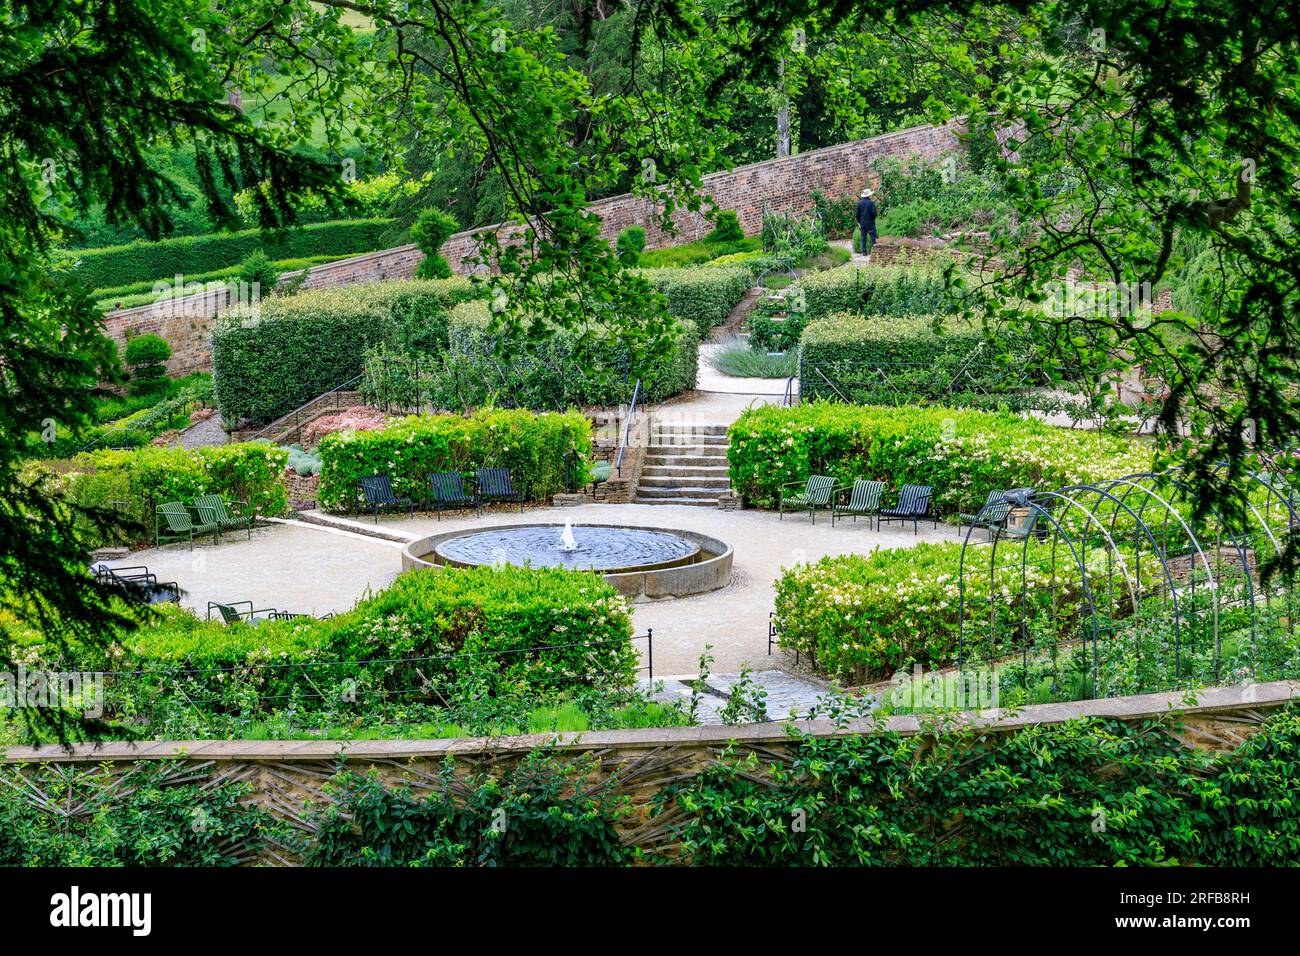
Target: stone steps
(714,453)
(685,464)
(721,482)
(686,471)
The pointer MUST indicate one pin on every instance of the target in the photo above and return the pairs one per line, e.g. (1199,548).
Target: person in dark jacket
(867,221)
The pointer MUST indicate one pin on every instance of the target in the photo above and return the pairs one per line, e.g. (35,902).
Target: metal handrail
(312,401)
(787,400)
(627,428)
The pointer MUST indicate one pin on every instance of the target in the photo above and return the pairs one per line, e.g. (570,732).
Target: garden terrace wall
(784,185)
(284,775)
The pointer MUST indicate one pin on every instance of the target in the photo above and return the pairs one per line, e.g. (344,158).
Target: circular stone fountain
(643,563)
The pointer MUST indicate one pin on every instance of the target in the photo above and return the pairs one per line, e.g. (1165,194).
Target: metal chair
(378,493)
(496,484)
(447,490)
(913,505)
(816,494)
(864,500)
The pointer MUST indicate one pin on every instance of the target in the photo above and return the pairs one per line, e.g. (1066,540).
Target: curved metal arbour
(1120,587)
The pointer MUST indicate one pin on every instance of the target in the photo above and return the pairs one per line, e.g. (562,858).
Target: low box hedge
(545,375)
(269,361)
(888,359)
(704,295)
(112,266)
(963,454)
(888,290)
(532,446)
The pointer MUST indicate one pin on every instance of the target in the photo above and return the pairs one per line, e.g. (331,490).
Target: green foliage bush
(258,268)
(163,818)
(432,227)
(140,261)
(726,228)
(921,199)
(129,422)
(531,446)
(891,359)
(1028,798)
(630,245)
(701,252)
(893,290)
(541,812)
(702,296)
(950,797)
(839,217)
(793,237)
(146,356)
(889,290)
(143,478)
(292,349)
(861,618)
(460,635)
(480,368)
(963,454)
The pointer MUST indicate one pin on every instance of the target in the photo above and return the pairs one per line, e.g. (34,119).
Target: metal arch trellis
(1024,499)
(1143,572)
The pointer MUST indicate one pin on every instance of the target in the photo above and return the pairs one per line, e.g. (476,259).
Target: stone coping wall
(1226,715)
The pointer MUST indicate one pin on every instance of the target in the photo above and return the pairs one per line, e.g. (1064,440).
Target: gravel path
(205,434)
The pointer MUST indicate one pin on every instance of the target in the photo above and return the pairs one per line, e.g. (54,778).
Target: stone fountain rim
(708,574)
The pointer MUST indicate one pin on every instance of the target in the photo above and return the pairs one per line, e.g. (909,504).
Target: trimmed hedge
(112,266)
(889,290)
(143,478)
(861,618)
(294,348)
(704,296)
(532,446)
(465,615)
(527,373)
(854,351)
(963,454)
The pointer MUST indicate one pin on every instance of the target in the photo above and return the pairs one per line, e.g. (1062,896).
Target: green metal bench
(212,510)
(913,505)
(992,514)
(496,484)
(816,494)
(233,612)
(179,524)
(447,490)
(864,501)
(378,493)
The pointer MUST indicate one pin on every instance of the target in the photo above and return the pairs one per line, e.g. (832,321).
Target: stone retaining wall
(284,774)
(784,185)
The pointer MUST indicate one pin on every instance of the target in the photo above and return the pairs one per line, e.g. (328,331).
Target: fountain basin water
(643,563)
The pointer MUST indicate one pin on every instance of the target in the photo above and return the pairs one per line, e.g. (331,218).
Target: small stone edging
(707,575)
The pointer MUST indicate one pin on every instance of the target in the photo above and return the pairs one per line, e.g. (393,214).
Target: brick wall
(784,185)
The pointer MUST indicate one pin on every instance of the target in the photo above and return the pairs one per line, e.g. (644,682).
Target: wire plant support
(1118,587)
